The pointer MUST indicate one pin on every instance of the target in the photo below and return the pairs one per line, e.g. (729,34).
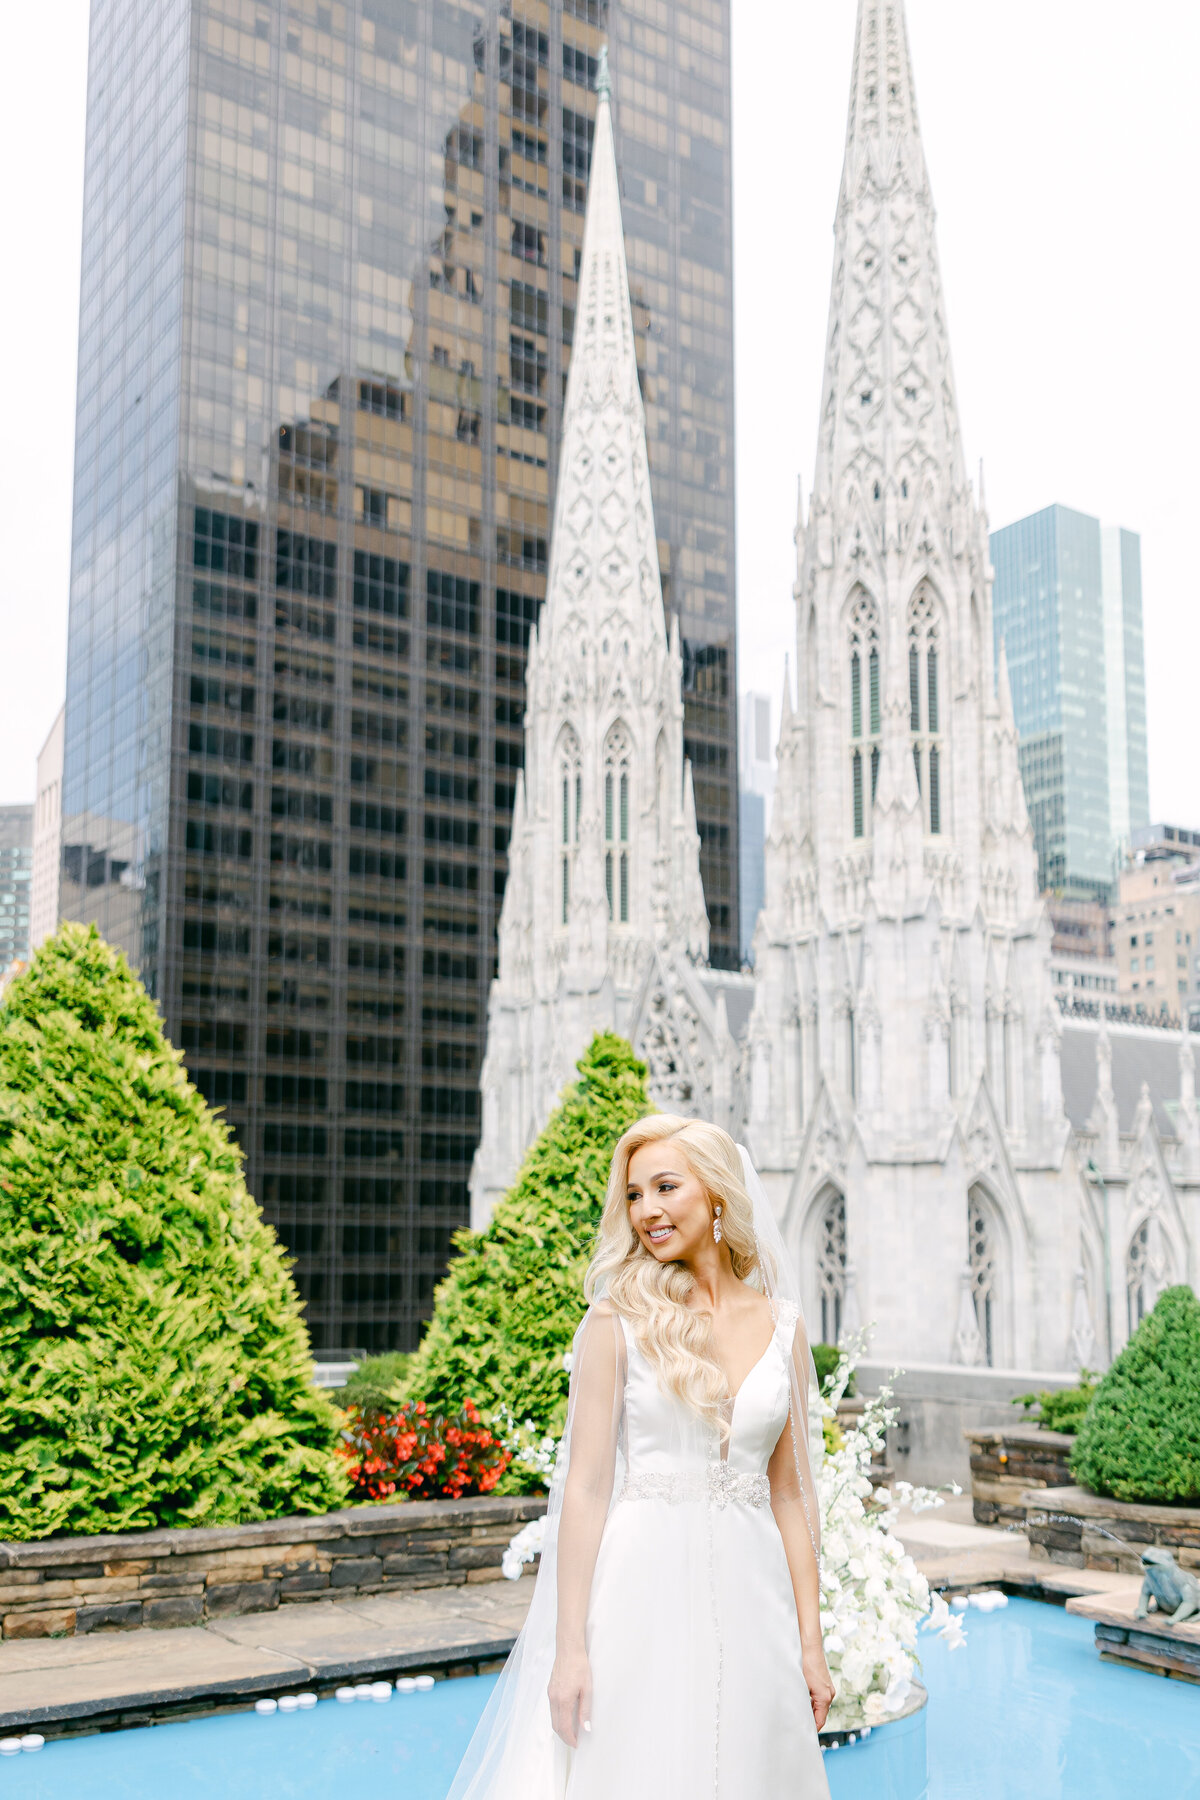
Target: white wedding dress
(671,1535)
(692,1632)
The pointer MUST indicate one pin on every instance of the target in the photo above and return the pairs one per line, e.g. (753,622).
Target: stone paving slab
(109,1675)
(137,1670)
(333,1641)
(1119,1607)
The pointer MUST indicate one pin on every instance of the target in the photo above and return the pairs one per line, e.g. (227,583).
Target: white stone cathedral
(985,1178)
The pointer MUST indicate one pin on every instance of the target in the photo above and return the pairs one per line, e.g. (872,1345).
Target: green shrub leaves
(506,1312)
(1140,1438)
(154,1365)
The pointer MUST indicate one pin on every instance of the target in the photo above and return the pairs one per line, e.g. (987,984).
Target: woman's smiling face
(668,1207)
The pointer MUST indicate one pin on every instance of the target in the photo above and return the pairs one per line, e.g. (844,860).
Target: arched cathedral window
(831,1267)
(864,712)
(1147,1270)
(925,707)
(617,802)
(570,792)
(981,1261)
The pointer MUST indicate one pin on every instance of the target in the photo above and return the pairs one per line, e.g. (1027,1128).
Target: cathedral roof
(1139,1054)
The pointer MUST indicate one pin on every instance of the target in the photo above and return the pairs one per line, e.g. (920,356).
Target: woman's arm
(791,1505)
(595,1414)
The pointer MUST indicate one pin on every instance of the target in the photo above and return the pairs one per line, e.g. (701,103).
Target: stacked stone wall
(67,1586)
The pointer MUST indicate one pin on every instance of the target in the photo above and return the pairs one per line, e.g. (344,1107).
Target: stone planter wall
(1005,1463)
(65,1586)
(1068,1525)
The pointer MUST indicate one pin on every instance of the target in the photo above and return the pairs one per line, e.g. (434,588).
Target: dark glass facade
(327,300)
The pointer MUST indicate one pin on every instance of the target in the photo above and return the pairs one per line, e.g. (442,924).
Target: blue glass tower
(1067,607)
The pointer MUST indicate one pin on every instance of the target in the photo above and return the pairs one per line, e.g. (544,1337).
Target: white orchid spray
(873,1596)
(531,1449)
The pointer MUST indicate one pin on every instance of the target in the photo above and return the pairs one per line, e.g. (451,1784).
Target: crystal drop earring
(717,1232)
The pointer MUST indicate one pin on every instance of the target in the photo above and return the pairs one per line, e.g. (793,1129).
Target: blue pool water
(1025,1712)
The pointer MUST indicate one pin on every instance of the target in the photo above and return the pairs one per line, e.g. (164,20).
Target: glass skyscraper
(1067,605)
(16,874)
(328,293)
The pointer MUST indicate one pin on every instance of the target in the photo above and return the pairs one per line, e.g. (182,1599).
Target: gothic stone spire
(604,859)
(889,417)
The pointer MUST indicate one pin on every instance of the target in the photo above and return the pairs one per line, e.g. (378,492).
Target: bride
(673,1645)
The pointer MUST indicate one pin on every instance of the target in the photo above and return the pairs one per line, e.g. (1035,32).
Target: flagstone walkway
(119,1678)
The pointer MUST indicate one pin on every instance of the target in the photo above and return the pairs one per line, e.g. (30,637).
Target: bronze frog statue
(1173,1590)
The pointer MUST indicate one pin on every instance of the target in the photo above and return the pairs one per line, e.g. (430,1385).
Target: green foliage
(377,1384)
(1061,1409)
(154,1365)
(1140,1439)
(507,1310)
(826,1358)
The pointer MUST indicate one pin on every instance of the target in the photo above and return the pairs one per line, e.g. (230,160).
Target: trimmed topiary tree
(507,1310)
(1140,1437)
(154,1364)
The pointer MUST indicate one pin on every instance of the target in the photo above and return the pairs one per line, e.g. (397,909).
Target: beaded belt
(718,1482)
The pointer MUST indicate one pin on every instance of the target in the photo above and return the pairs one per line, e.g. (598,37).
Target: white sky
(1062,141)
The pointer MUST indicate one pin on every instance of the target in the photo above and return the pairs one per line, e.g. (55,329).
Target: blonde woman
(673,1646)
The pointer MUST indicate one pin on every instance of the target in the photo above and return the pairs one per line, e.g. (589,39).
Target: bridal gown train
(692,1633)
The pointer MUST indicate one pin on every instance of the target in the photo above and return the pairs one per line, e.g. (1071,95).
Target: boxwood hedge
(154,1364)
(507,1310)
(1140,1437)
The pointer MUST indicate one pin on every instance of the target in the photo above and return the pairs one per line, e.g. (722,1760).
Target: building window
(1147,1270)
(981,1261)
(924,707)
(831,1267)
(570,787)
(617,846)
(865,707)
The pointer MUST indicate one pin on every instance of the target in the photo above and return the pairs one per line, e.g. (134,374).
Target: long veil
(514,1753)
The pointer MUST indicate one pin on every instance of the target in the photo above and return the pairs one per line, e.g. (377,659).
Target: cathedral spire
(603,573)
(603,883)
(889,418)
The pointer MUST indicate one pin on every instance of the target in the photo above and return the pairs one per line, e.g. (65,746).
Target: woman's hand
(820,1685)
(570,1694)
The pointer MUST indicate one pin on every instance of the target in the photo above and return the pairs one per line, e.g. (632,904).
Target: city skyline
(1026,348)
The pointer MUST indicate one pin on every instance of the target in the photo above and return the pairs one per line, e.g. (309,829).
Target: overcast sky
(1061,137)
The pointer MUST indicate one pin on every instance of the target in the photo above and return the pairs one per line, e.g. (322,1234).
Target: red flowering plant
(426,1455)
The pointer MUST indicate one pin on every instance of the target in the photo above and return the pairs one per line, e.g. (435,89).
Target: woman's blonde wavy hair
(652,1295)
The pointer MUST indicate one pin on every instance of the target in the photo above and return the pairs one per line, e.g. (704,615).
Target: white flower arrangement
(873,1596)
(531,1449)
(523,1548)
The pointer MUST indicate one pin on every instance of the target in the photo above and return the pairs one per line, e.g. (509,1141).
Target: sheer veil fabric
(696,1624)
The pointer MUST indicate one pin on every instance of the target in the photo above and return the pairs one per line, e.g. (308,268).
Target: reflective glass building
(1067,605)
(16,875)
(328,293)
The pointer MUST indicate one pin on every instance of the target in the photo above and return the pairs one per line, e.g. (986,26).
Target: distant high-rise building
(756,786)
(329,293)
(16,869)
(1067,607)
(47,836)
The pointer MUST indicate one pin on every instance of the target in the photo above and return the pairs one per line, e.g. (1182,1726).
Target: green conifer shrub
(1140,1437)
(507,1310)
(154,1364)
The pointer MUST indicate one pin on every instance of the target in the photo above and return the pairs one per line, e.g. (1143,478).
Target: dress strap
(787,1314)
